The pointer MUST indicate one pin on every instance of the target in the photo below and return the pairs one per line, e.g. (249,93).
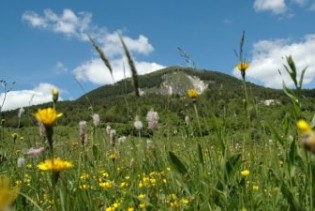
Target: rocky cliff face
(177,83)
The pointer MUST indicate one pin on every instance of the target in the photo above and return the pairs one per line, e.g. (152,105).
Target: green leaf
(302,77)
(313,122)
(276,134)
(200,155)
(232,165)
(294,156)
(95,151)
(295,205)
(289,93)
(176,163)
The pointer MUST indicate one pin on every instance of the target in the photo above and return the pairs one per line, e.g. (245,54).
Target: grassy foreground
(167,171)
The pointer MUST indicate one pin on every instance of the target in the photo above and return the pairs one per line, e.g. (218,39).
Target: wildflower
(55,94)
(142,196)
(143,205)
(192,93)
(243,66)
(123,185)
(108,127)
(35,152)
(21,112)
(122,140)
(187,120)
(185,201)
(8,194)
(112,137)
(255,187)
(56,165)
(304,126)
(83,132)
(84,176)
(47,116)
(21,162)
(130,209)
(149,145)
(84,187)
(106,185)
(138,124)
(14,136)
(132,163)
(113,155)
(152,118)
(245,173)
(308,135)
(96,120)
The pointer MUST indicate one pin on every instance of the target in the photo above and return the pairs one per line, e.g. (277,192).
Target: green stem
(197,115)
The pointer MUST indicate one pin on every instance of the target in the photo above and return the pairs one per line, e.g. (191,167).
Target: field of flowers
(55,167)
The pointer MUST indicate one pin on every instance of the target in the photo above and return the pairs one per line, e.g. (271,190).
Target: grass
(219,170)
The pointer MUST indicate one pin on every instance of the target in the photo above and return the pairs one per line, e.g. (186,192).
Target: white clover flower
(96,120)
(35,151)
(138,124)
(83,132)
(21,162)
(152,118)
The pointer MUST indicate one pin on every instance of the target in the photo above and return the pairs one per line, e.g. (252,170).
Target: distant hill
(171,80)
(165,91)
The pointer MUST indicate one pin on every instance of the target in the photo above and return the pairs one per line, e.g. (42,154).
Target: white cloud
(300,2)
(275,6)
(22,98)
(60,68)
(112,45)
(79,26)
(281,7)
(68,23)
(96,72)
(269,57)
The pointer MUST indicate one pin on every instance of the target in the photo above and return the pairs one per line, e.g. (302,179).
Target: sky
(44,44)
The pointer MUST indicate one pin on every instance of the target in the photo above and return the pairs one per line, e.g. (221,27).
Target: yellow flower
(185,201)
(192,93)
(242,66)
(8,194)
(106,185)
(255,187)
(14,136)
(303,126)
(84,176)
(47,116)
(55,94)
(143,205)
(55,165)
(142,196)
(245,173)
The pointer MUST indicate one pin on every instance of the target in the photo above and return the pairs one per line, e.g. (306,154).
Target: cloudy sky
(44,44)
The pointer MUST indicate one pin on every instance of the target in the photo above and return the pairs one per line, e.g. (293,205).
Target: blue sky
(43,43)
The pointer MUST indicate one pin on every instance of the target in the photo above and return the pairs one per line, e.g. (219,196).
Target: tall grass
(182,171)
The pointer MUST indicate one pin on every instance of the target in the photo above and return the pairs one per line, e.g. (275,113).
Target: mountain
(165,91)
(173,80)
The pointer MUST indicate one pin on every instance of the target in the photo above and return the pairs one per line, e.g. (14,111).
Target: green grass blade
(132,66)
(176,163)
(102,56)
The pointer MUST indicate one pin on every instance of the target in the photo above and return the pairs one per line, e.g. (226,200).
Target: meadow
(91,166)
